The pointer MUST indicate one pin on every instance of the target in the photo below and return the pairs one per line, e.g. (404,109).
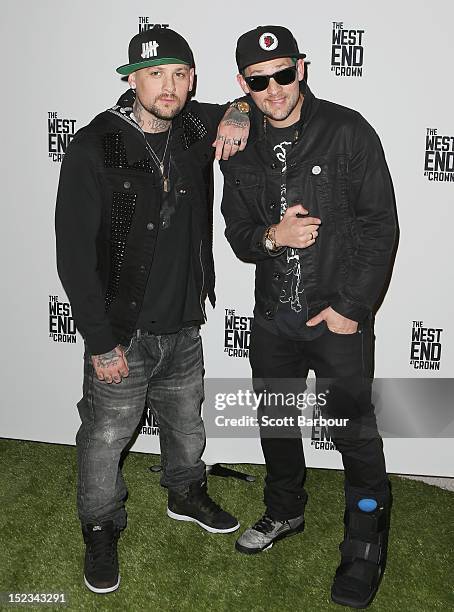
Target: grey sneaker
(265,532)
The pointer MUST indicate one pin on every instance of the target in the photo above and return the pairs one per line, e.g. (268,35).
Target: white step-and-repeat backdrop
(392,61)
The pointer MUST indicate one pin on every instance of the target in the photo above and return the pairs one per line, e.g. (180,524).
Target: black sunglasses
(260,82)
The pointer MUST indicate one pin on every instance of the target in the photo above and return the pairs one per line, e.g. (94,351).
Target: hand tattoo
(235,118)
(147,121)
(106,360)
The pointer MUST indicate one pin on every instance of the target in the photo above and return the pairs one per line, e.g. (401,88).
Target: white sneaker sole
(190,519)
(96,590)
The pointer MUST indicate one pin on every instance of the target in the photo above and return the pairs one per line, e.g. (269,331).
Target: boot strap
(366,524)
(359,570)
(356,549)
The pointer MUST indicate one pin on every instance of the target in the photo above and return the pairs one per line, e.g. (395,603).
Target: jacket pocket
(246,188)
(327,179)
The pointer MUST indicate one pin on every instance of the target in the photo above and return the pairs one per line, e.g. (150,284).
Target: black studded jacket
(107,215)
(337,170)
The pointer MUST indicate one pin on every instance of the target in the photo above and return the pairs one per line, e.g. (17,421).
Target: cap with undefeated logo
(265,43)
(157,46)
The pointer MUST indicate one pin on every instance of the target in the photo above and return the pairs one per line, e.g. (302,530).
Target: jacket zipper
(202,306)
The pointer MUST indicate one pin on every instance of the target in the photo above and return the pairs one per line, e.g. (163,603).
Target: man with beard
(310,202)
(134,253)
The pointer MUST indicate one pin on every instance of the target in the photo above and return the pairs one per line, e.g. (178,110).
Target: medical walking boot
(363,554)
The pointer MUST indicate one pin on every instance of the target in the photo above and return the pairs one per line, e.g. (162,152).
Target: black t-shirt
(292,312)
(170,301)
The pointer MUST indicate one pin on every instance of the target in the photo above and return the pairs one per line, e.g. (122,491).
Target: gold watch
(269,239)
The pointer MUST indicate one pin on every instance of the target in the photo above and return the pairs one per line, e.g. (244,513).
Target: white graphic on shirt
(280,151)
(292,288)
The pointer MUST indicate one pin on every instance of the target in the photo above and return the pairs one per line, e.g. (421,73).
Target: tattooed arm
(232,134)
(111,366)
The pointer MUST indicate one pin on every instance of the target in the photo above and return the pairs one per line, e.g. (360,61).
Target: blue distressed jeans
(166,374)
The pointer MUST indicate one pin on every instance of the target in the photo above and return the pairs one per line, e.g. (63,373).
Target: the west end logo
(439,157)
(60,134)
(425,347)
(237,334)
(144,24)
(61,323)
(347,51)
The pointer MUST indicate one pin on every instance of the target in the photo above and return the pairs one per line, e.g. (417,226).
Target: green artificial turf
(171,567)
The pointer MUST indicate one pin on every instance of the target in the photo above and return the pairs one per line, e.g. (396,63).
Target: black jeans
(343,364)
(166,372)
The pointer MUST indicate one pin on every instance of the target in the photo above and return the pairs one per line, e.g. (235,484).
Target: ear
(132,80)
(300,69)
(242,83)
(191,78)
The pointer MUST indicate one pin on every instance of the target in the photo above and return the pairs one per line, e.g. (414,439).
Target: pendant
(166,184)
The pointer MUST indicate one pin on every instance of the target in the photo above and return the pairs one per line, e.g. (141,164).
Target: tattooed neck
(148,122)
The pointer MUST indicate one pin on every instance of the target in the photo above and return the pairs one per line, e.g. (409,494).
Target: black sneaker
(101,573)
(265,532)
(197,506)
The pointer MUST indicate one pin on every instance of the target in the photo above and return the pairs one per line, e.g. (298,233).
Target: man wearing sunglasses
(310,202)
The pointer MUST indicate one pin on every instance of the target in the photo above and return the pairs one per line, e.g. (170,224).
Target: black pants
(343,364)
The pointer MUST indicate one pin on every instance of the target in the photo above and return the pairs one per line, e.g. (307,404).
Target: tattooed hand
(111,366)
(233,132)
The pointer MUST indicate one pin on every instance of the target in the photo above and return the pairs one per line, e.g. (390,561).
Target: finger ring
(220,137)
(237,141)
(228,141)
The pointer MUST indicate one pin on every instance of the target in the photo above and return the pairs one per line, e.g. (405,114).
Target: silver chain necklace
(160,162)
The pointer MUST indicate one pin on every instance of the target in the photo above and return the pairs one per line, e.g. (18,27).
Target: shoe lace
(265,524)
(102,547)
(205,501)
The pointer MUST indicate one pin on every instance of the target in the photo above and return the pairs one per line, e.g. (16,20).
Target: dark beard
(168,116)
(164,116)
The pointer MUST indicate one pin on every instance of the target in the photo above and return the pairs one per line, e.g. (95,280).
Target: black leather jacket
(337,170)
(107,216)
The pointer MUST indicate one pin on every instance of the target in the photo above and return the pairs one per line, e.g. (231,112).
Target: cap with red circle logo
(265,43)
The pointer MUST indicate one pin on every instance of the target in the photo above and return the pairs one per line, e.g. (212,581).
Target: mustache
(167,96)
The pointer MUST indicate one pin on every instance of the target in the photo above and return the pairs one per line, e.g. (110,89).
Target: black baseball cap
(157,46)
(265,43)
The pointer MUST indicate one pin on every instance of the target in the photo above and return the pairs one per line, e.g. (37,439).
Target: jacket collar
(123,110)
